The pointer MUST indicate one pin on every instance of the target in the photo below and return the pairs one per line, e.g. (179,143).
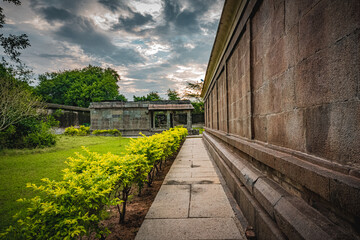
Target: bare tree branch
(16,103)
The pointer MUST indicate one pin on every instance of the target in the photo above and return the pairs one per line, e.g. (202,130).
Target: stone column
(167,119)
(189,121)
(153,117)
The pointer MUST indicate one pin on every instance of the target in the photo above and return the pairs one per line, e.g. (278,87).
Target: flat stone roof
(153,105)
(171,107)
(65,107)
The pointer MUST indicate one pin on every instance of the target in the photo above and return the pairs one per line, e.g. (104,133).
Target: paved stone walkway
(191,203)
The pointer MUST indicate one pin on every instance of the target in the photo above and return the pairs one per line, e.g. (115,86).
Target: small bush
(30,132)
(43,138)
(71,131)
(114,132)
(81,131)
(201,130)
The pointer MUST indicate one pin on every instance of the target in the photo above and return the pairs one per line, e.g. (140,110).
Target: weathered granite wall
(71,115)
(198,118)
(146,117)
(128,117)
(282,114)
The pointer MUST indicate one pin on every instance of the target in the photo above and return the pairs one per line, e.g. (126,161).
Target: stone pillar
(189,121)
(153,117)
(167,119)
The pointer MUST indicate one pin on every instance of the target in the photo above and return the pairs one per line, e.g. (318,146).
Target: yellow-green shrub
(114,132)
(81,131)
(157,147)
(73,207)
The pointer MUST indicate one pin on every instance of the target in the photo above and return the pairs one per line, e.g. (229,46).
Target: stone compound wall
(129,118)
(282,116)
(197,118)
(72,116)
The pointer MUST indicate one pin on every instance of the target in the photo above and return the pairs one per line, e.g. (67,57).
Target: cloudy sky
(153,44)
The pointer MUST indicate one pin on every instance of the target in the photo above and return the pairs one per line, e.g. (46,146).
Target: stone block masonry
(282,114)
(145,117)
(71,115)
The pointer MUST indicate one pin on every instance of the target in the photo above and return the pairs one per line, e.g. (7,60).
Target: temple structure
(146,117)
(282,115)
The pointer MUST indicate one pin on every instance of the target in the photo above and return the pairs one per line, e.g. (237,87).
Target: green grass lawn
(18,167)
(201,130)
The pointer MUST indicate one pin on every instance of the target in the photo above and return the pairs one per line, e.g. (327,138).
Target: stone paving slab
(203,169)
(172,201)
(188,181)
(191,170)
(201,158)
(181,174)
(206,164)
(185,163)
(181,166)
(192,228)
(191,203)
(209,200)
(203,174)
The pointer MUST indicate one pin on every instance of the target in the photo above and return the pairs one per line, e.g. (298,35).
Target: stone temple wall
(282,115)
(71,115)
(129,118)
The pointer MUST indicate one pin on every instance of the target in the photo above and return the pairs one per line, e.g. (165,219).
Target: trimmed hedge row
(84,131)
(113,132)
(73,207)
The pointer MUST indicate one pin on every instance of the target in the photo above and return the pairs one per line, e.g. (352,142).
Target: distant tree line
(22,125)
(192,92)
(79,87)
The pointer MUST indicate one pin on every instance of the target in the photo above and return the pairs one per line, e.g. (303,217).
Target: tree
(20,124)
(152,96)
(198,106)
(193,90)
(172,95)
(13,43)
(121,97)
(16,100)
(79,87)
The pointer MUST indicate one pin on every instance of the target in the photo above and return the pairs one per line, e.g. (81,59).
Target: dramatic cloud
(154,45)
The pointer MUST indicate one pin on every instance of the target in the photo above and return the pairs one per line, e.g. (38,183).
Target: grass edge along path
(74,206)
(18,167)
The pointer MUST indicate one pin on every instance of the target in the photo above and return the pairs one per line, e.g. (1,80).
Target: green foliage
(73,207)
(13,43)
(35,164)
(20,124)
(172,95)
(31,132)
(59,112)
(16,99)
(121,97)
(157,148)
(152,96)
(79,87)
(201,130)
(198,106)
(81,131)
(193,90)
(114,132)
